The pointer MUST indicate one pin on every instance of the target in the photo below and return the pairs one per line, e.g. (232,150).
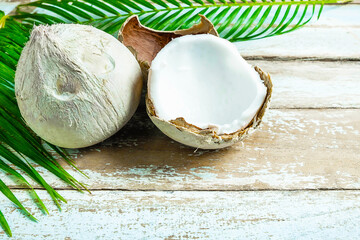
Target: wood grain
(335,36)
(313,84)
(307,43)
(294,149)
(192,215)
(7,7)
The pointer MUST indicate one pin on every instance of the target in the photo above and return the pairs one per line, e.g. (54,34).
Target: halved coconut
(202,93)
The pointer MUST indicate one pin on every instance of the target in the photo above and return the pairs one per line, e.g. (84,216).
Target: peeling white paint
(299,149)
(192,214)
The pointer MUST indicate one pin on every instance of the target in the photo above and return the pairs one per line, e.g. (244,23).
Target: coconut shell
(194,136)
(145,43)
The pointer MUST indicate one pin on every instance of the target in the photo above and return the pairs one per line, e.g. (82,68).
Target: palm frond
(18,145)
(234,20)
(7,192)
(18,176)
(4,224)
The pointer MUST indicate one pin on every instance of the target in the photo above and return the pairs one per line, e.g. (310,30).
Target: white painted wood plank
(335,35)
(309,43)
(192,215)
(7,7)
(312,84)
(294,149)
(337,16)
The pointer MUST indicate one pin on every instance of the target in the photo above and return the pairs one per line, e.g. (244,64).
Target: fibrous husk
(145,43)
(76,85)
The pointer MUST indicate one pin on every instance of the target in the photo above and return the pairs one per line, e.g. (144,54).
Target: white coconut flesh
(203,79)
(76,85)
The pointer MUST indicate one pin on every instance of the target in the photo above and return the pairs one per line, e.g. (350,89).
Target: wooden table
(297,177)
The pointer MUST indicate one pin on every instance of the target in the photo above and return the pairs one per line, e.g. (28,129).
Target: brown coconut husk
(145,43)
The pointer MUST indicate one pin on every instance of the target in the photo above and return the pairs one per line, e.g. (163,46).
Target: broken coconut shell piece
(201,92)
(145,43)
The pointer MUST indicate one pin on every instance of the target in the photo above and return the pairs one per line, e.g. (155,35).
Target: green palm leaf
(7,192)
(18,176)
(234,20)
(4,224)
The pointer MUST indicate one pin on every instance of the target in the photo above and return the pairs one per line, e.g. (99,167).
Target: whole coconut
(76,85)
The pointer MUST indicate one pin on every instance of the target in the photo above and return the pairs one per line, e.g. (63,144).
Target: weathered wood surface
(335,36)
(294,149)
(314,84)
(7,7)
(141,157)
(307,43)
(304,143)
(114,215)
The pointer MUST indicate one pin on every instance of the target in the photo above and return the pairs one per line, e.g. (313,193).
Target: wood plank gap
(199,190)
(314,108)
(305,59)
(185,215)
(356,2)
(293,149)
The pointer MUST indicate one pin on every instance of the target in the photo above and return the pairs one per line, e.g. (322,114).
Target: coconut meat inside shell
(204,80)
